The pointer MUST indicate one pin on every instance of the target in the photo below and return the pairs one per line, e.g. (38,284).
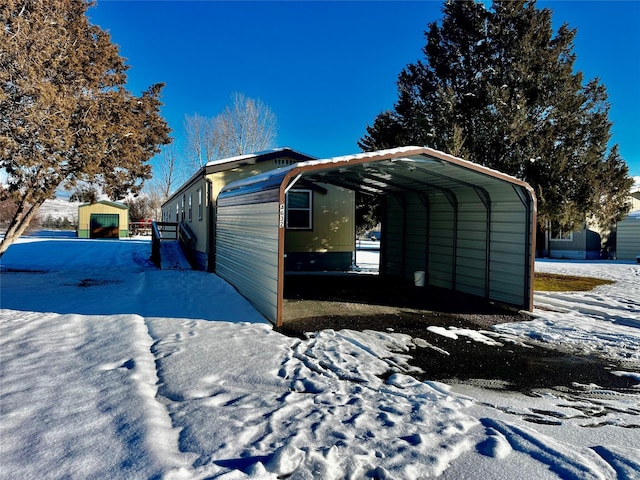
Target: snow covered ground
(110,368)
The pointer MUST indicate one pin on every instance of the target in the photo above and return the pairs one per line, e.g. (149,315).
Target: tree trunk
(23,217)
(542,249)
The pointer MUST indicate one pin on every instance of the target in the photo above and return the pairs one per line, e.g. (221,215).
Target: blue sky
(327,68)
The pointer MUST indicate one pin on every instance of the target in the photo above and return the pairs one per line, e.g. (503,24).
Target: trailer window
(299,209)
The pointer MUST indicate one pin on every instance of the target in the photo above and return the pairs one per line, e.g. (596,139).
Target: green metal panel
(628,238)
(392,253)
(441,242)
(104,225)
(471,246)
(510,248)
(417,230)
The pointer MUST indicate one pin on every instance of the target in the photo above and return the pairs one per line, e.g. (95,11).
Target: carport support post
(485,198)
(530,243)
(383,236)
(281,254)
(453,201)
(287,183)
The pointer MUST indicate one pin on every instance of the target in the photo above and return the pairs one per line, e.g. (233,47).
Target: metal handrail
(158,234)
(161,231)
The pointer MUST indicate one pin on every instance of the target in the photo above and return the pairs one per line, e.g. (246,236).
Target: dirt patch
(314,303)
(552,282)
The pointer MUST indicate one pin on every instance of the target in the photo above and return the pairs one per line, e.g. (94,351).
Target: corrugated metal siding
(479,227)
(416,237)
(509,247)
(441,247)
(404,235)
(392,255)
(628,239)
(471,253)
(247,252)
(459,256)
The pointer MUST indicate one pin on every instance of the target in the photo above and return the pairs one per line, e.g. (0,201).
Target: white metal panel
(416,235)
(247,252)
(392,254)
(471,251)
(510,247)
(441,242)
(628,239)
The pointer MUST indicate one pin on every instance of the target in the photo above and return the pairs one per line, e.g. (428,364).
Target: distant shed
(103,219)
(468,228)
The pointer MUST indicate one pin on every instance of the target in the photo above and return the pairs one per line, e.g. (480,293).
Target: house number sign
(282,215)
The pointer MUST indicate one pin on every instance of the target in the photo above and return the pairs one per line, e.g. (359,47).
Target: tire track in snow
(616,310)
(91,380)
(161,436)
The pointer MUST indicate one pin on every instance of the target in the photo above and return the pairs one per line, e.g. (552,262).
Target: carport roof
(384,171)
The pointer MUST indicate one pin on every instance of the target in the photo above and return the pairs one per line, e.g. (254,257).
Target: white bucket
(418,278)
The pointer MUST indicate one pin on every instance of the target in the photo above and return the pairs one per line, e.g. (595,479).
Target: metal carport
(469,228)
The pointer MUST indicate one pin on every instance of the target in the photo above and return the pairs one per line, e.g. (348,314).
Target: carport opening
(368,297)
(317,301)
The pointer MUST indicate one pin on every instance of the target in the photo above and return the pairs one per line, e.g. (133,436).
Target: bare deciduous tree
(168,171)
(204,142)
(140,208)
(246,126)
(155,202)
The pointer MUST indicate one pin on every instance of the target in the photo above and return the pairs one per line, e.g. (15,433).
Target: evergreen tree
(84,194)
(497,86)
(65,116)
(8,207)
